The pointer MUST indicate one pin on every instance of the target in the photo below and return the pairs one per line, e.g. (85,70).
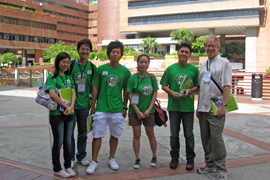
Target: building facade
(27,27)
(132,20)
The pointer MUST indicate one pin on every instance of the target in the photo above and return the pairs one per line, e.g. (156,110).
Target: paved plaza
(25,144)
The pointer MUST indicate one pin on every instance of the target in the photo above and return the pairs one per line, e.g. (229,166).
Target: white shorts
(101,119)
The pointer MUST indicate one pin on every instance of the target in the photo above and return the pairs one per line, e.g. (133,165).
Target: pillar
(251,50)
(222,43)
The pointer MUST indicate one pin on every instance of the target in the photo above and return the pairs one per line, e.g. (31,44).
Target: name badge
(207,77)
(135,99)
(81,87)
(105,72)
(89,72)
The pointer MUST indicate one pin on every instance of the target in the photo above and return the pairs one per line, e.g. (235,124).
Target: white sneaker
(222,175)
(84,162)
(70,172)
(92,167)
(62,173)
(113,164)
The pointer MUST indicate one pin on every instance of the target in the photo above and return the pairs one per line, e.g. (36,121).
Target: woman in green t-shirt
(142,95)
(61,119)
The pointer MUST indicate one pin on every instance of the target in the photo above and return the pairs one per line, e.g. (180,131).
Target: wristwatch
(125,108)
(223,104)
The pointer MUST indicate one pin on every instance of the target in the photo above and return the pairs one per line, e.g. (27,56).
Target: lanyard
(83,69)
(208,63)
(65,83)
(141,80)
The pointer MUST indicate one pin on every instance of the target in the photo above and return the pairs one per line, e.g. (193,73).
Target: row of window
(62,5)
(36,39)
(75,25)
(71,33)
(158,3)
(193,17)
(22,22)
(64,15)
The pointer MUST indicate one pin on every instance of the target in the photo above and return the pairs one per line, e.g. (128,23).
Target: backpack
(160,115)
(43,98)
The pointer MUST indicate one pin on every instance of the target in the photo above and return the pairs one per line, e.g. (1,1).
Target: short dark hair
(60,57)
(84,41)
(185,45)
(115,44)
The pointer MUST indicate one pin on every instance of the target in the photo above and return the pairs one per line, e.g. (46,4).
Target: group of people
(106,91)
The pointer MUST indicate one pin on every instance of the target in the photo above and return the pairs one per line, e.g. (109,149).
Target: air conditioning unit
(6,36)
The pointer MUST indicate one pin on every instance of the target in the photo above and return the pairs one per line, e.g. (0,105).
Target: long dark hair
(60,57)
(140,56)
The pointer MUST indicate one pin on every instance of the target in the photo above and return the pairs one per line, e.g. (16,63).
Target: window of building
(159,3)
(239,14)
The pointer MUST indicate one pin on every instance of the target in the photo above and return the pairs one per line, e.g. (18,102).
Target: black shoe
(190,165)
(174,163)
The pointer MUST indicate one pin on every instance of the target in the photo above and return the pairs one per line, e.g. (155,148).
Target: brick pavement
(11,170)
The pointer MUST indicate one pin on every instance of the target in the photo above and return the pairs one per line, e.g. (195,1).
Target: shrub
(93,55)
(102,55)
(35,64)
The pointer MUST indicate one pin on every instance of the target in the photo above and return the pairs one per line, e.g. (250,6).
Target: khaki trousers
(213,144)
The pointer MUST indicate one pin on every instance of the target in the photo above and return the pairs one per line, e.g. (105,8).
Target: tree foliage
(234,48)
(56,48)
(182,35)
(149,43)
(9,58)
(198,46)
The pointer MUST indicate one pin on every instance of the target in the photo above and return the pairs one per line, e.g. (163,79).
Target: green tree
(234,48)
(182,35)
(9,58)
(149,43)
(198,46)
(56,48)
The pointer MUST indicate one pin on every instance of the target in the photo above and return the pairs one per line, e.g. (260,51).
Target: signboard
(23,61)
(40,60)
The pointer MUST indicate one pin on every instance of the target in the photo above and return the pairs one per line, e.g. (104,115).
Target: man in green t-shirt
(179,81)
(108,87)
(82,74)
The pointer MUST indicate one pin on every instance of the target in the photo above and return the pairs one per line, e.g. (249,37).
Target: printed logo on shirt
(105,73)
(146,89)
(112,80)
(78,78)
(68,81)
(179,78)
(89,71)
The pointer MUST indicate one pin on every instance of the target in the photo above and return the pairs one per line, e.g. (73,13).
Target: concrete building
(29,26)
(226,18)
(132,20)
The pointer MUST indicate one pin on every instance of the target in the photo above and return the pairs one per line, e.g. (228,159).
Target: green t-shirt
(111,81)
(82,76)
(145,88)
(173,78)
(61,82)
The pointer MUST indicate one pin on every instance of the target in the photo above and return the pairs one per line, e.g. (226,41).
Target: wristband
(125,108)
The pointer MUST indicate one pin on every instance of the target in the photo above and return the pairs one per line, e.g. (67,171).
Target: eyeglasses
(65,62)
